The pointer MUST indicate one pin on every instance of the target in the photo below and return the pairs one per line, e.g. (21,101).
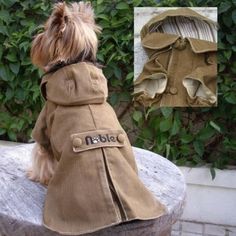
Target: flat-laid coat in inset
(181,71)
(96,183)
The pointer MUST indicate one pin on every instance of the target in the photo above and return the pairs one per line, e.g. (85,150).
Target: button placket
(173,90)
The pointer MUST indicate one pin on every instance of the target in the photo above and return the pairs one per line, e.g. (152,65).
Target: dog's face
(69,33)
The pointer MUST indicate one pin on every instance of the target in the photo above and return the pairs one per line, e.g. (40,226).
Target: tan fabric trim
(196,88)
(159,40)
(201,46)
(152,85)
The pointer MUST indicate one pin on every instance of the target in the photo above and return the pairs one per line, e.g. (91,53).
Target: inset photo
(175,57)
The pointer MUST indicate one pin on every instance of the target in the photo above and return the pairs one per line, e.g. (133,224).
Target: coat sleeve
(151,83)
(40,131)
(201,83)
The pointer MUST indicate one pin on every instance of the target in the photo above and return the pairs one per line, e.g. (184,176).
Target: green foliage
(19,91)
(187,136)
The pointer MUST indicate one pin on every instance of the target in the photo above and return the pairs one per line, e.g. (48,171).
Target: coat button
(77,142)
(121,138)
(180,44)
(173,90)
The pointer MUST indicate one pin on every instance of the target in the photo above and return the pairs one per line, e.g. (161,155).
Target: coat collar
(157,40)
(187,12)
(76,84)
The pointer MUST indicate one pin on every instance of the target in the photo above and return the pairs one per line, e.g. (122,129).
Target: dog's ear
(59,18)
(86,13)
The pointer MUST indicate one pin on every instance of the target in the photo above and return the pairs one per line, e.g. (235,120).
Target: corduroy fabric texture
(180,71)
(96,184)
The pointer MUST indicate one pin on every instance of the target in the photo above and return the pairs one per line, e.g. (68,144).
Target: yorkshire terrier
(69,36)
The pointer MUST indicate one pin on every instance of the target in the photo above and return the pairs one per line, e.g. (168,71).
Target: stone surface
(202,229)
(190,234)
(21,201)
(214,230)
(192,227)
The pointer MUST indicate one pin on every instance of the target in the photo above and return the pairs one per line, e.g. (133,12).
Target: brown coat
(96,183)
(180,71)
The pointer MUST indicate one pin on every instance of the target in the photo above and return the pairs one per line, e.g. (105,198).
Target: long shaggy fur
(69,33)
(43,165)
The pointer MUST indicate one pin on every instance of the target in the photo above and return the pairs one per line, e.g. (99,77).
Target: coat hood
(158,20)
(75,84)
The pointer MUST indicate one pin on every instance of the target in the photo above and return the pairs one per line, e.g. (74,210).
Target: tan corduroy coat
(180,71)
(96,183)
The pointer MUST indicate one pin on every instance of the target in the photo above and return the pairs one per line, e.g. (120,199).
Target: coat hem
(103,227)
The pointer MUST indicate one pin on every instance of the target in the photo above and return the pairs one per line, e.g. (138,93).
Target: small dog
(69,34)
(82,152)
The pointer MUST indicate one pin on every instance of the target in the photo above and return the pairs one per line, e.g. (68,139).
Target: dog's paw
(34,177)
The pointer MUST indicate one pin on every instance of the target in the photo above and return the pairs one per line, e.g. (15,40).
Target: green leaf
(221,67)
(198,147)
(205,134)
(227,20)
(230,38)
(147,134)
(124,96)
(149,110)
(113,99)
(11,135)
(9,94)
(137,116)
(4,30)
(137,2)
(215,126)
(1,51)
(122,6)
(130,76)
(103,16)
(15,67)
(167,150)
(224,6)
(165,125)
(186,138)
(213,173)
(181,161)
(227,54)
(166,111)
(230,98)
(20,94)
(4,73)
(234,48)
(2,131)
(176,126)
(185,149)
(117,72)
(11,57)
(4,15)
(234,16)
